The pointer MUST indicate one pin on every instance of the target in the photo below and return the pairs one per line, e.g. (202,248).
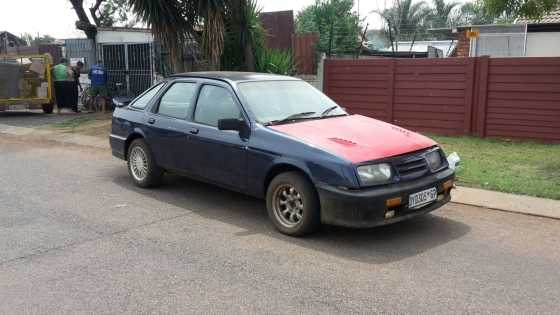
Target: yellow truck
(26,82)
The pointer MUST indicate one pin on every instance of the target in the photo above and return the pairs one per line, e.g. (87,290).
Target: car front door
(217,155)
(168,125)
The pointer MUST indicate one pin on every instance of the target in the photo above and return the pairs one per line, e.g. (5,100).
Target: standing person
(76,85)
(98,77)
(60,74)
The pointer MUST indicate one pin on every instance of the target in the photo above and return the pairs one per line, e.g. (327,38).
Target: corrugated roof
(552,17)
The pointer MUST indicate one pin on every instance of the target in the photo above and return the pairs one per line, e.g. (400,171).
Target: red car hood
(356,138)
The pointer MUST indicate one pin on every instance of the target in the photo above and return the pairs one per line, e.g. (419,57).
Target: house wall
(494,97)
(81,48)
(543,44)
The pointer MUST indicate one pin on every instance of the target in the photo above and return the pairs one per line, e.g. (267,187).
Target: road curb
(494,200)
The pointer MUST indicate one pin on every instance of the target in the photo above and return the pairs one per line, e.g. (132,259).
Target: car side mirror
(231,124)
(122,101)
(234,124)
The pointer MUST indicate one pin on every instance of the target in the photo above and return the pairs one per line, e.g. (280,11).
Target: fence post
(482,95)
(391,90)
(325,62)
(469,97)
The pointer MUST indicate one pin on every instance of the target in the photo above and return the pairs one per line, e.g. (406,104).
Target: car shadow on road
(375,246)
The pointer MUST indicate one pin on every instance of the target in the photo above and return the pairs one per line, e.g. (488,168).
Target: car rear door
(217,155)
(168,125)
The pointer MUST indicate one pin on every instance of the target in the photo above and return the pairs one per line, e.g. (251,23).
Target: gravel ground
(35,118)
(77,237)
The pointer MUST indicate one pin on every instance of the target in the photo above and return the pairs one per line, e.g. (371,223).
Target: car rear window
(143,101)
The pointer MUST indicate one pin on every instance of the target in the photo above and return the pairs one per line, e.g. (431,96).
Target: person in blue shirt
(98,77)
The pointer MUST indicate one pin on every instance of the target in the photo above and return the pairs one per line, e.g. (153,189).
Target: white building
(525,38)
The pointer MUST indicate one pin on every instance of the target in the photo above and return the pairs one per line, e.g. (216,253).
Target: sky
(57,18)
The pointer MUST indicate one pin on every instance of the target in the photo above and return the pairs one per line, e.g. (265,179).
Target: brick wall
(463,45)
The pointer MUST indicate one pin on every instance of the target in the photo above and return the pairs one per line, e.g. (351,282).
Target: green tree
(440,14)
(244,37)
(473,13)
(520,8)
(102,12)
(37,40)
(112,13)
(338,26)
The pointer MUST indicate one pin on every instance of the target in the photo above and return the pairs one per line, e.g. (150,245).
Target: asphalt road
(77,237)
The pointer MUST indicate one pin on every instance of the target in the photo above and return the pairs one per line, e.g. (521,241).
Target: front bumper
(365,208)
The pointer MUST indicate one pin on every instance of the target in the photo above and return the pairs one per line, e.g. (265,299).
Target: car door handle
(151,121)
(194,131)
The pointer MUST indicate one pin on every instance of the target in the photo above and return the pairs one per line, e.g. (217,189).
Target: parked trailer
(26,83)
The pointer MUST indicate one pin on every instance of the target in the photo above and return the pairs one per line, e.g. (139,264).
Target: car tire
(48,108)
(293,204)
(142,166)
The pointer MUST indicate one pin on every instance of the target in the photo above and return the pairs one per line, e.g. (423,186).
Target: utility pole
(6,42)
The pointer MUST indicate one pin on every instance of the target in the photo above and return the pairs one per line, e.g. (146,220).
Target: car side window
(215,103)
(144,100)
(177,101)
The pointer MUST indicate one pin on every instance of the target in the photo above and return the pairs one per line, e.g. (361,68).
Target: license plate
(421,198)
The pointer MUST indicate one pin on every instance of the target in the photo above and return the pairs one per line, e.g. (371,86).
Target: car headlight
(375,173)
(434,159)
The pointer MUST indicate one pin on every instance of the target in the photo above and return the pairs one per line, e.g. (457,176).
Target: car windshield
(274,101)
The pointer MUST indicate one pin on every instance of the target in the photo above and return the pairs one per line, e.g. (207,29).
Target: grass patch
(72,123)
(526,168)
(98,124)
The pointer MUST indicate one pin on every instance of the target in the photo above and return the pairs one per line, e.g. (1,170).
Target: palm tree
(171,22)
(404,19)
(251,32)
(212,13)
(473,13)
(440,15)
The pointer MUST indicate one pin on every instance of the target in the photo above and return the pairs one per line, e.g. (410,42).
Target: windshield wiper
(291,117)
(328,110)
(325,114)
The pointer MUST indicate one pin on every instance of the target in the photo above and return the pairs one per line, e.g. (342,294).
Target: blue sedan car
(278,138)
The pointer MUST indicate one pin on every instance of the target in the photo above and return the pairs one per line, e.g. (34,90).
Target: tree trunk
(83,22)
(249,57)
(176,56)
(178,64)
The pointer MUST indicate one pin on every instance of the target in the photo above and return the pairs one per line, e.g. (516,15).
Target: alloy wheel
(138,163)
(288,205)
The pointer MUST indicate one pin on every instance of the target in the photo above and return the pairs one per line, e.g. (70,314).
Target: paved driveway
(77,237)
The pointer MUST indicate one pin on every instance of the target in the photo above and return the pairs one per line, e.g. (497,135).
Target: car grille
(412,165)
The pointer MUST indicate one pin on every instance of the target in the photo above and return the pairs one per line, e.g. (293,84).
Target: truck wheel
(292,204)
(48,108)
(142,166)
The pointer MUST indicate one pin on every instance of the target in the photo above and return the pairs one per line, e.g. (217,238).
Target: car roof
(234,76)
